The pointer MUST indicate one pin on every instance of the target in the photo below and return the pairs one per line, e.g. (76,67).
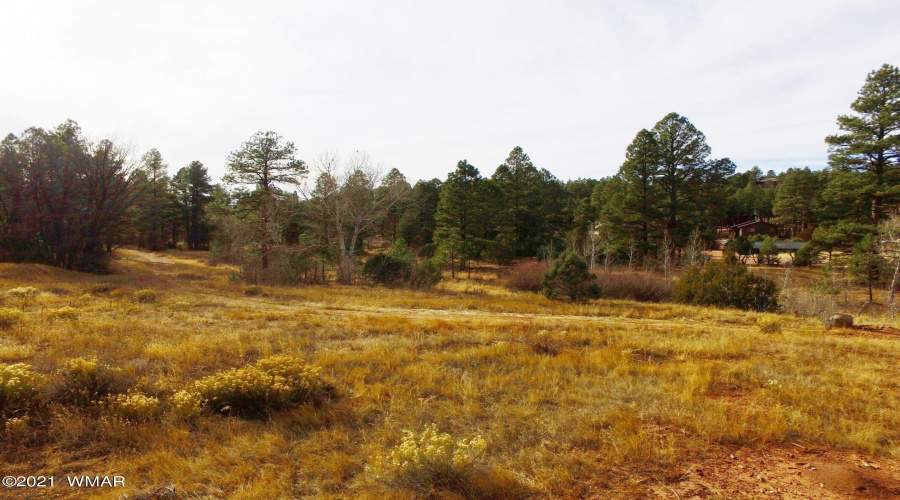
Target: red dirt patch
(797,473)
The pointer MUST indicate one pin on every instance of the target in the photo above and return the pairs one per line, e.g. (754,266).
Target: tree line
(69,202)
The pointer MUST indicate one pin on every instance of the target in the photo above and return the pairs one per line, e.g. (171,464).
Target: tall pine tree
(871,143)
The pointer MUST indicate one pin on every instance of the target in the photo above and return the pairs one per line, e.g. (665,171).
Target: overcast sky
(422,84)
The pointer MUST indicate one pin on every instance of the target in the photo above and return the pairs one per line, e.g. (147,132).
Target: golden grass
(571,399)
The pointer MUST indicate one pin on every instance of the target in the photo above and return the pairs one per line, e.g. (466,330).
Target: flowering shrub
(86,381)
(186,404)
(273,383)
(10,317)
(19,386)
(134,407)
(17,429)
(428,460)
(145,296)
(23,292)
(69,313)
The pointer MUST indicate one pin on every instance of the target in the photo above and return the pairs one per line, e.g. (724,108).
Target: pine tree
(797,198)
(682,154)
(529,206)
(263,162)
(635,195)
(871,143)
(155,204)
(193,191)
(460,216)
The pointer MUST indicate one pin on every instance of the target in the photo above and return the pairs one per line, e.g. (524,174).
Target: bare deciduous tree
(346,197)
(889,247)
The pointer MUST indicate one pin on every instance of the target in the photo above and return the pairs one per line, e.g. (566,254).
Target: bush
(10,317)
(806,256)
(23,292)
(187,405)
(527,276)
(67,313)
(424,274)
(386,269)
(101,288)
(19,387)
(134,407)
(642,287)
(145,296)
(274,383)
(569,277)
(86,381)
(427,251)
(726,284)
(768,252)
(769,324)
(430,460)
(18,428)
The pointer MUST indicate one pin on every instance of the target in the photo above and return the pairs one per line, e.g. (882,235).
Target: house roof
(783,245)
(749,223)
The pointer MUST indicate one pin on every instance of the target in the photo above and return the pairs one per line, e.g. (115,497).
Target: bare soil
(793,472)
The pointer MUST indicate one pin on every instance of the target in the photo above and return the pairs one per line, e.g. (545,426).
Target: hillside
(611,399)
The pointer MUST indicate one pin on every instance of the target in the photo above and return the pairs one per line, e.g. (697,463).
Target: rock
(841,321)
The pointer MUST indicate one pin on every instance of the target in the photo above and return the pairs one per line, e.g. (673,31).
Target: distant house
(768,182)
(754,227)
(784,246)
(788,247)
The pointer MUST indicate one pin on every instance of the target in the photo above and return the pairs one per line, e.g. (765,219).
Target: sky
(420,85)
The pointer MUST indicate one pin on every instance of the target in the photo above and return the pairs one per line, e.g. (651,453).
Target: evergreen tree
(529,206)
(264,162)
(569,277)
(635,195)
(417,223)
(683,154)
(460,215)
(394,180)
(871,143)
(155,205)
(193,191)
(797,198)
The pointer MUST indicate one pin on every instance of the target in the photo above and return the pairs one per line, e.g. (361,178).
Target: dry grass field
(610,399)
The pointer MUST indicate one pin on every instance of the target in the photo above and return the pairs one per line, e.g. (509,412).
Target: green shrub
(145,296)
(274,383)
(569,277)
(10,317)
(19,387)
(806,255)
(86,381)
(424,274)
(768,252)
(726,284)
(386,269)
